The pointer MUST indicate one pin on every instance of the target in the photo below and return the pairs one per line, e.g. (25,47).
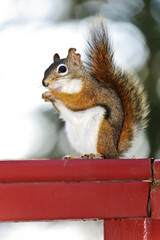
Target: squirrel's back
(129,89)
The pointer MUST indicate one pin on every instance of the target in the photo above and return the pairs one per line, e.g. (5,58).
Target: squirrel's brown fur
(128,88)
(121,95)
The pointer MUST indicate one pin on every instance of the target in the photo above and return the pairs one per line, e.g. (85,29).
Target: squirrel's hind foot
(92,156)
(69,157)
(86,156)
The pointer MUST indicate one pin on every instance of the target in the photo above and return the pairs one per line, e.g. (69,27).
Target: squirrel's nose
(44,83)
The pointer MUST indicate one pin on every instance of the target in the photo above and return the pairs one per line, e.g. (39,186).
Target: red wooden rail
(123,192)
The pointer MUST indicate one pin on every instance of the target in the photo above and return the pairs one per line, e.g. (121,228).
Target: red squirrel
(103,107)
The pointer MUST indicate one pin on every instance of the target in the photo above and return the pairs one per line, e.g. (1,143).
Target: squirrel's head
(64,70)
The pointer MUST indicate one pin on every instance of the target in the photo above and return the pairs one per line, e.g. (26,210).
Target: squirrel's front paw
(48,96)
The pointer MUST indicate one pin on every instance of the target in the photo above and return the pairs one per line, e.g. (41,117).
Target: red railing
(125,193)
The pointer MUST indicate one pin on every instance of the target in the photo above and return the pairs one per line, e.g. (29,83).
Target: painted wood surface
(132,229)
(155,191)
(75,170)
(43,201)
(125,193)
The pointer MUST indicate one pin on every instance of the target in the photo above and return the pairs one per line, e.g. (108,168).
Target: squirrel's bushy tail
(129,88)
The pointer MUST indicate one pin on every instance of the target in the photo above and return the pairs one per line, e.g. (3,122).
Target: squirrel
(102,106)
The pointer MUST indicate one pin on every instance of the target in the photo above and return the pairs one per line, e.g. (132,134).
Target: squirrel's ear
(56,57)
(73,56)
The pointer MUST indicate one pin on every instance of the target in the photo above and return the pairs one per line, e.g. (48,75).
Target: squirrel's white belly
(82,127)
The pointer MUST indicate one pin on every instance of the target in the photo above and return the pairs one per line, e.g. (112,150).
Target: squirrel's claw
(92,156)
(48,96)
(69,157)
(86,156)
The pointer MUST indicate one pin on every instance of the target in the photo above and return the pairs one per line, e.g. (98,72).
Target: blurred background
(31,31)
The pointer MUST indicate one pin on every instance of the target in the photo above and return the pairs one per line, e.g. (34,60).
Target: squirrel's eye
(62,69)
